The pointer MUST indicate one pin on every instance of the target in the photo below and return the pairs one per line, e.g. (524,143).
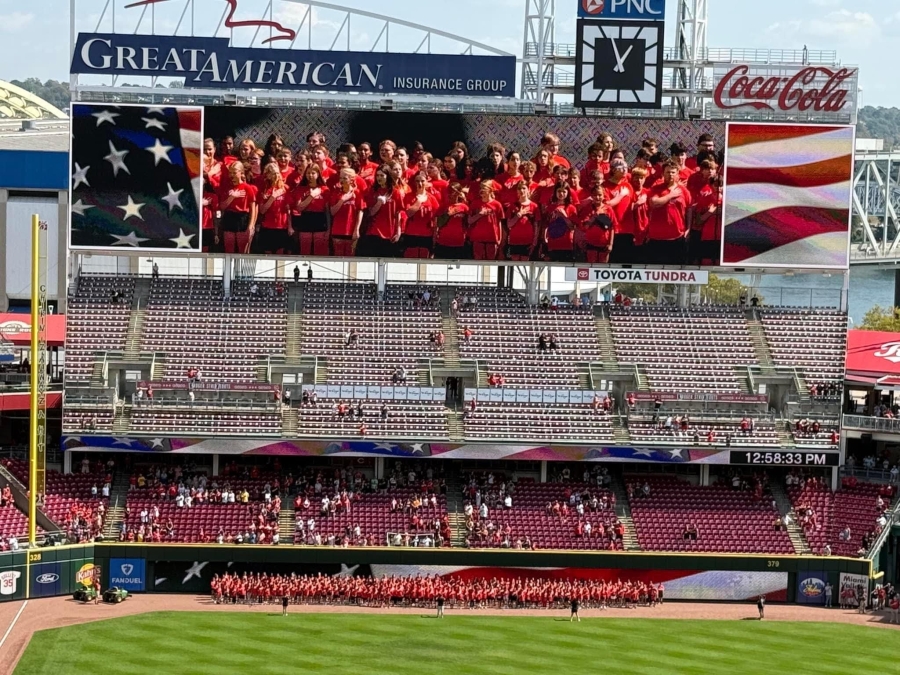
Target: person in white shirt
(105,491)
(311,525)
(587,529)
(188,501)
(275,537)
(144,517)
(85,465)
(179,501)
(13,544)
(93,490)
(507,502)
(484,511)
(231,496)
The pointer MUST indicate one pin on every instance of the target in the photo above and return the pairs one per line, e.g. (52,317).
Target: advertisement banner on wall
(811,588)
(127,573)
(854,581)
(11,584)
(637,276)
(637,10)
(46,580)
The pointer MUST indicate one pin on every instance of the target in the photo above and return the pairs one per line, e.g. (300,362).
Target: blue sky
(34,37)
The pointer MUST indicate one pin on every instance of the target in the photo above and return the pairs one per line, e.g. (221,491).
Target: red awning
(873,353)
(16,328)
(23,401)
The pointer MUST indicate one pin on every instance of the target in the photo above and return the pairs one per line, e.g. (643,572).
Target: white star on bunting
(157,443)
(128,240)
(105,116)
(80,207)
(160,152)
(173,199)
(117,159)
(132,209)
(80,176)
(182,240)
(158,109)
(152,122)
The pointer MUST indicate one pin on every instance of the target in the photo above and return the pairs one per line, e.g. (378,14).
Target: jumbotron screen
(456,187)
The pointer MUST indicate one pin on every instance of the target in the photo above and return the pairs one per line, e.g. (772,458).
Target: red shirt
(685,173)
(214,173)
(367,171)
(317,205)
(244,196)
(210,206)
(637,218)
(287,175)
(343,223)
(703,199)
(611,191)
(595,234)
(276,218)
(438,189)
(453,232)
(507,194)
(522,228)
(421,223)
(667,222)
(486,230)
(560,234)
(384,223)
(589,168)
(556,160)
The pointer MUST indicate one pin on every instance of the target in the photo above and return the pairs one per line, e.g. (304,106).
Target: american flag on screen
(787,195)
(136,177)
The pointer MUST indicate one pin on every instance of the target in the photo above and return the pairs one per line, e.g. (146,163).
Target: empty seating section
(392,333)
(372,512)
(763,433)
(13,523)
(405,419)
(200,523)
(538,422)
(196,325)
(505,335)
(529,517)
(186,421)
(95,323)
(814,341)
(683,349)
(852,506)
(87,419)
(727,520)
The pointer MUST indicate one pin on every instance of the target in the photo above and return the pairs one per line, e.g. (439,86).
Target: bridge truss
(875,237)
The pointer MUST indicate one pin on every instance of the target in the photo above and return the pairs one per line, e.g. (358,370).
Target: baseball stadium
(304,348)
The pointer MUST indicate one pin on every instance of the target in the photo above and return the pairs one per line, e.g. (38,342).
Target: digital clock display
(784,458)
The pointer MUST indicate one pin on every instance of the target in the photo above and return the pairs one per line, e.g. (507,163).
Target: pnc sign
(786,88)
(641,10)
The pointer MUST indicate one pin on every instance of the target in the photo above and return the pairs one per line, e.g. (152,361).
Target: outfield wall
(45,572)
(189,568)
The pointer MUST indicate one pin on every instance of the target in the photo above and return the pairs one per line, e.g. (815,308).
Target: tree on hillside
(886,319)
(54,92)
(726,291)
(880,123)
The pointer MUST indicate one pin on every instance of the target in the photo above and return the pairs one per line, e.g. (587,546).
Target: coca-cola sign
(809,89)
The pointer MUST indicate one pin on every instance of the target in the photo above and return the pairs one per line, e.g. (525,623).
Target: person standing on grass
(828,594)
(761,606)
(284,605)
(574,615)
(440,606)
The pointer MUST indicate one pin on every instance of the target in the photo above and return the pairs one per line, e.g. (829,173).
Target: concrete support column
(62,259)
(381,278)
(353,271)
(4,300)
(215,466)
(67,461)
(835,478)
(544,471)
(226,274)
(210,267)
(704,474)
(379,468)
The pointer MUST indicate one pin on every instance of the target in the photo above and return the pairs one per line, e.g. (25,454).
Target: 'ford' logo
(47,578)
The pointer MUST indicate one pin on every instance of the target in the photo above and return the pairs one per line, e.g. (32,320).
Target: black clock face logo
(619,64)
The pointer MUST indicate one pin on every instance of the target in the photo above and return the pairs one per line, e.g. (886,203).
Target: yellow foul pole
(35,374)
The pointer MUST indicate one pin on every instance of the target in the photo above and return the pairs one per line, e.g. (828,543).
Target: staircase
(321,372)
(290,421)
(456,427)
(642,383)
(262,369)
(294,330)
(122,420)
(795,532)
(159,367)
(785,437)
(620,433)
(455,516)
(136,322)
(605,338)
(760,344)
(623,512)
(802,388)
(286,522)
(115,514)
(451,341)
(97,379)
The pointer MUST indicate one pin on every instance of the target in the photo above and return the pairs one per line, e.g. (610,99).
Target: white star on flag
(119,440)
(80,207)
(182,240)
(152,122)
(117,159)
(194,571)
(158,109)
(676,453)
(646,452)
(131,209)
(80,176)
(156,443)
(128,240)
(105,116)
(160,152)
(173,199)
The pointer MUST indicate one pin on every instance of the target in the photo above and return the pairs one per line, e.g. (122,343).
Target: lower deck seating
(13,523)
(405,419)
(204,422)
(201,523)
(762,434)
(727,520)
(75,420)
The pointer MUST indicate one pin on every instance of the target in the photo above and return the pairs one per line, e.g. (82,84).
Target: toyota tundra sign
(787,89)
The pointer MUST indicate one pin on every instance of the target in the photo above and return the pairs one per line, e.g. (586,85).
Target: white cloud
(840,25)
(15,21)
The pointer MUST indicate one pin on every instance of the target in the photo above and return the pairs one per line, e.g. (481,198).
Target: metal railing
(712,55)
(865,423)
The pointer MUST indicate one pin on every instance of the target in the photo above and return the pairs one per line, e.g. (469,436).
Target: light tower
(691,54)
(538,51)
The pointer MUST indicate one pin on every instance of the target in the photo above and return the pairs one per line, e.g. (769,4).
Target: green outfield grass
(349,644)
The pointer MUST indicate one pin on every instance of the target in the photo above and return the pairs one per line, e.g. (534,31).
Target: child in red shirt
(485,216)
(421,210)
(559,231)
(384,208)
(522,218)
(274,212)
(450,235)
(346,205)
(209,224)
(669,203)
(310,200)
(597,221)
(238,203)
